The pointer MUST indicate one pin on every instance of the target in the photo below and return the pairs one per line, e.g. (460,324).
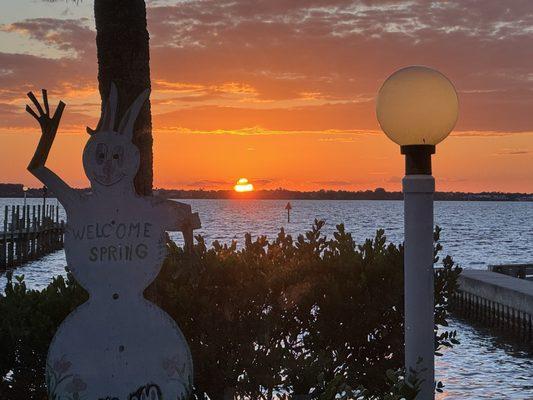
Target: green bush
(313,317)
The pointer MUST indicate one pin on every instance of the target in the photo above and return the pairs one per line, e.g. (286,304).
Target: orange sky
(283,92)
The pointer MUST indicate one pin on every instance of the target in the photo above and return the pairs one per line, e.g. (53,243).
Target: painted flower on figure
(62,365)
(76,385)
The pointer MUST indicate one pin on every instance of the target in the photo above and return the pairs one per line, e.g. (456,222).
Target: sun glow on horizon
(243,186)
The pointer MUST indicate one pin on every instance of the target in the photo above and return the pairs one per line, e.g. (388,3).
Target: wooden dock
(498,300)
(29,232)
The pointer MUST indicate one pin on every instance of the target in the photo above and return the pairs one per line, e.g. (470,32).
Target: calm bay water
(475,234)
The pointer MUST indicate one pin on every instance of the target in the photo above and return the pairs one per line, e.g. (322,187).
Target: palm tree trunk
(122,43)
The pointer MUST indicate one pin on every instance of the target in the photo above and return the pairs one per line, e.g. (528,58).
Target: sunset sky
(282,92)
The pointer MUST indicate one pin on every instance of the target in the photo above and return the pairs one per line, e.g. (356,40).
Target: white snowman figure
(117,345)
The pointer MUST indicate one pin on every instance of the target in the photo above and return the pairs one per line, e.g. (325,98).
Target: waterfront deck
(29,233)
(502,301)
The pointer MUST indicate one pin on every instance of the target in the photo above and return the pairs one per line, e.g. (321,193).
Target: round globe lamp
(417,108)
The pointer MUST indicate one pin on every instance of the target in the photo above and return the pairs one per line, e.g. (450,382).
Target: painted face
(110,158)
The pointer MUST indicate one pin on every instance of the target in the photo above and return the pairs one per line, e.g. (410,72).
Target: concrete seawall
(502,301)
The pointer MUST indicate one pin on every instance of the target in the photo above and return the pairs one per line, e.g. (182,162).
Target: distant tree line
(16,190)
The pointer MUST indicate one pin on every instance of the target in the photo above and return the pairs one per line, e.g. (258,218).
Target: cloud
(62,77)
(343,50)
(72,37)
(487,133)
(330,117)
(338,140)
(334,183)
(68,75)
(513,152)
(261,182)
(205,183)
(394,179)
(308,65)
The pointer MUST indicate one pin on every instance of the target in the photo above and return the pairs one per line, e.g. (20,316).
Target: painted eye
(101,153)
(118,154)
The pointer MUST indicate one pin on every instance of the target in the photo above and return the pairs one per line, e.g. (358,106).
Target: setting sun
(243,186)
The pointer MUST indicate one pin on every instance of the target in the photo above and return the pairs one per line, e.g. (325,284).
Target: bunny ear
(107,119)
(129,118)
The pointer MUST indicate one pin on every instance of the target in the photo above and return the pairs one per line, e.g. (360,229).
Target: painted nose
(108,168)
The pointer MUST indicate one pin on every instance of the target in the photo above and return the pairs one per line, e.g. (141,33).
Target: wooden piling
(3,256)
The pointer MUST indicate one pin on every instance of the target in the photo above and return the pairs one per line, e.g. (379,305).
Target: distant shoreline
(8,190)
(377,194)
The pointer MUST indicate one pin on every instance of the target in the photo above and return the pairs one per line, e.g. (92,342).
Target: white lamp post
(417,108)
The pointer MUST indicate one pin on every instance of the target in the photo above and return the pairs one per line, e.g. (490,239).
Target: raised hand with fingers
(37,167)
(49,126)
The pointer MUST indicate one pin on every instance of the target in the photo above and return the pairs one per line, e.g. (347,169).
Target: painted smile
(103,180)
